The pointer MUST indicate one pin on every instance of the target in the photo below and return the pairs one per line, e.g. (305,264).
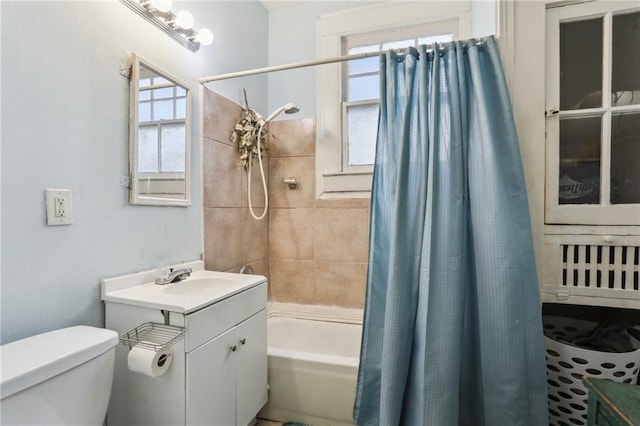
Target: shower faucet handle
(292,182)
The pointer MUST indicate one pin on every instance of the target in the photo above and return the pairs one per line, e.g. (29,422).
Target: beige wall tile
(221,175)
(292,138)
(223,242)
(312,251)
(342,235)
(292,281)
(255,238)
(340,284)
(261,267)
(356,292)
(220,116)
(343,203)
(291,234)
(303,169)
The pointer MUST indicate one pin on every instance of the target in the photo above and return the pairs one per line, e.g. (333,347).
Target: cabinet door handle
(233,348)
(243,341)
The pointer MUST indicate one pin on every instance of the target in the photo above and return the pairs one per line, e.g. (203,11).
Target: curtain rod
(290,66)
(303,64)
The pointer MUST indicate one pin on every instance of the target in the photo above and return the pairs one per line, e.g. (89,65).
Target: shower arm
(289,108)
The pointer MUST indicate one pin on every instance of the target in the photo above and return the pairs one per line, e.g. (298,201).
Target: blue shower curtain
(452,326)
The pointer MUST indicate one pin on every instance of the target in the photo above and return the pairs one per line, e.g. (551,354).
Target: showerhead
(289,108)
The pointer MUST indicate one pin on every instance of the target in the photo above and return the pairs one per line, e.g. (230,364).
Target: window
(361,86)
(347,92)
(161,134)
(593,115)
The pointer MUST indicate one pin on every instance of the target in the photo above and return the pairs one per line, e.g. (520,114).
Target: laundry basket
(567,364)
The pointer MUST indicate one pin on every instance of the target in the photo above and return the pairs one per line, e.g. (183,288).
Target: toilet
(62,377)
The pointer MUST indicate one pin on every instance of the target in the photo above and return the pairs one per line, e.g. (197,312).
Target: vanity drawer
(213,320)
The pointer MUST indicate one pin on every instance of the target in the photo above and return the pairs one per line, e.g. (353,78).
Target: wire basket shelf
(154,336)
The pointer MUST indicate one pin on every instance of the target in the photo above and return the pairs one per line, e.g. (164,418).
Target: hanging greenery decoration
(245,135)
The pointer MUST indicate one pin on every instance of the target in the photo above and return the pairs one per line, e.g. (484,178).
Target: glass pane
(364,49)
(181,108)
(144,95)
(148,149)
(364,65)
(362,129)
(625,83)
(581,64)
(362,88)
(173,148)
(144,111)
(163,110)
(580,160)
(181,91)
(625,158)
(164,93)
(160,80)
(144,82)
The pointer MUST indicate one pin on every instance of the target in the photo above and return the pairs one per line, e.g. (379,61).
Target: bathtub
(312,371)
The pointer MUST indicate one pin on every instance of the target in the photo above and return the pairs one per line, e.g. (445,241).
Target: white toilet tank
(62,377)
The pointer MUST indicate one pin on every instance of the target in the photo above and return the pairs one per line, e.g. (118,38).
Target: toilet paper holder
(152,335)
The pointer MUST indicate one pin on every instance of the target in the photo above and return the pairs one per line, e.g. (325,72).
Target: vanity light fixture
(177,26)
(184,20)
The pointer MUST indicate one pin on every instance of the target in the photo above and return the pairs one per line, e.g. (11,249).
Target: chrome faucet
(174,276)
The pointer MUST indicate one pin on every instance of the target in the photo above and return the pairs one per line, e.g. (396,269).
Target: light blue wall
(65,125)
(292,38)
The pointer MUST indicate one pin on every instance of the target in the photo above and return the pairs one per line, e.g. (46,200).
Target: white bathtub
(312,371)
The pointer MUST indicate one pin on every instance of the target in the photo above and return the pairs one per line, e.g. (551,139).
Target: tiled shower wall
(313,251)
(232,237)
(317,248)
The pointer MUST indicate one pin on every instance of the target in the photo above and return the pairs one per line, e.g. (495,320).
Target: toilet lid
(32,360)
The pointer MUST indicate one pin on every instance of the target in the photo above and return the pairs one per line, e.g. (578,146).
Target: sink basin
(202,288)
(195,286)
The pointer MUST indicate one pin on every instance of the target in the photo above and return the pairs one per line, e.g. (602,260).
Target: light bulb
(205,36)
(162,5)
(184,19)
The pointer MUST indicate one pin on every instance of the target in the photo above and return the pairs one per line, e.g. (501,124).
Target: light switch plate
(59,207)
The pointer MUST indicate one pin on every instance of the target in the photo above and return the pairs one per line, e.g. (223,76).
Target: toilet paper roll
(149,362)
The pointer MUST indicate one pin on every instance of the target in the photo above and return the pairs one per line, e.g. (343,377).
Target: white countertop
(139,289)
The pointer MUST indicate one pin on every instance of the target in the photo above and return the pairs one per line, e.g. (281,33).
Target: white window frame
(415,32)
(582,214)
(332,181)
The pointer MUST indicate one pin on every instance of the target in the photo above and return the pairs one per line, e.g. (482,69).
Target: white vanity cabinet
(219,371)
(227,376)
(226,360)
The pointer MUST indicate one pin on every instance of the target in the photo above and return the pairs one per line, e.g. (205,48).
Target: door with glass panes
(593,114)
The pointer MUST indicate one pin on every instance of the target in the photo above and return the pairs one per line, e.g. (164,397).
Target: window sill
(345,185)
